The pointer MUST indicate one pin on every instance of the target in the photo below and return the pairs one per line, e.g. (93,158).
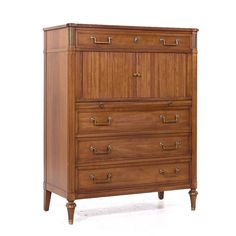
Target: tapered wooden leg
(71,209)
(193,196)
(47,198)
(161,195)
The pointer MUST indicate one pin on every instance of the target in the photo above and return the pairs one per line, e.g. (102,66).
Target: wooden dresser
(120,111)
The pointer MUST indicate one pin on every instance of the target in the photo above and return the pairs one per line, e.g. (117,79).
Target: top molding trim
(73,25)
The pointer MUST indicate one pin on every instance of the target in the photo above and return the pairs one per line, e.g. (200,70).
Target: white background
(21,122)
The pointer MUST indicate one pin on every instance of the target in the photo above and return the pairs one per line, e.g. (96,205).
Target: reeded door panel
(163,75)
(107,75)
(118,75)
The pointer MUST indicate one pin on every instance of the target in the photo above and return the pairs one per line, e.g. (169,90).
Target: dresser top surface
(121,27)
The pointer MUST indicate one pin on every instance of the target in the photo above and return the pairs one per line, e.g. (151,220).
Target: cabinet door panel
(163,75)
(107,75)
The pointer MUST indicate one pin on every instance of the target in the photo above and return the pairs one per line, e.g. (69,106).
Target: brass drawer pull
(136,74)
(101,42)
(170,148)
(94,150)
(164,43)
(165,121)
(166,174)
(107,123)
(101,181)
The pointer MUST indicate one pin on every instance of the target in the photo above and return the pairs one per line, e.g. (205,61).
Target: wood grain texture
(131,176)
(59,113)
(169,72)
(107,75)
(138,105)
(56,120)
(57,39)
(133,121)
(71,75)
(118,39)
(110,75)
(194,121)
(133,147)
(47,198)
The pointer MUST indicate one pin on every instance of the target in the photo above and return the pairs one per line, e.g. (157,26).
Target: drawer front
(131,176)
(136,121)
(103,39)
(133,147)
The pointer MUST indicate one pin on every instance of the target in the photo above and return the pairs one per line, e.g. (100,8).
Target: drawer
(132,176)
(161,121)
(133,147)
(115,39)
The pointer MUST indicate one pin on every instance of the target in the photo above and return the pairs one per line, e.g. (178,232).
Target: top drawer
(99,39)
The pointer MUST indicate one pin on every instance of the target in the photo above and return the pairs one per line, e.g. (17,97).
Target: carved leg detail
(71,209)
(193,196)
(161,195)
(47,198)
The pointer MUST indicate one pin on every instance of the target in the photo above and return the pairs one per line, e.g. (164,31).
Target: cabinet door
(163,75)
(107,75)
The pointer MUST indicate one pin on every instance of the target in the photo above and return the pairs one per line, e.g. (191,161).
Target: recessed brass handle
(170,147)
(101,181)
(165,121)
(94,150)
(96,123)
(164,43)
(167,174)
(109,40)
(136,74)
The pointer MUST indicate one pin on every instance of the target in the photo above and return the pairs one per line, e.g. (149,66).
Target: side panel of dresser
(58,114)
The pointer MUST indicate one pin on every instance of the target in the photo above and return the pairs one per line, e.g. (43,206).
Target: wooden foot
(71,209)
(161,195)
(193,196)
(47,198)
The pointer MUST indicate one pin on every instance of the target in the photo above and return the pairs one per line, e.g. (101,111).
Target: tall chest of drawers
(120,111)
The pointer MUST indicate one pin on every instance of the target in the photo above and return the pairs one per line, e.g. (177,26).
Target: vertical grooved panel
(144,68)
(110,75)
(170,75)
(107,75)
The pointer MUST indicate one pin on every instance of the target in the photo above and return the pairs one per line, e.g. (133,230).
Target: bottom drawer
(131,176)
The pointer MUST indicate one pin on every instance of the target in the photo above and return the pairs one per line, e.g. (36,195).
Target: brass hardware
(195,40)
(165,121)
(70,222)
(94,150)
(107,123)
(109,40)
(70,205)
(136,39)
(164,43)
(166,174)
(170,148)
(136,74)
(71,32)
(101,105)
(101,181)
